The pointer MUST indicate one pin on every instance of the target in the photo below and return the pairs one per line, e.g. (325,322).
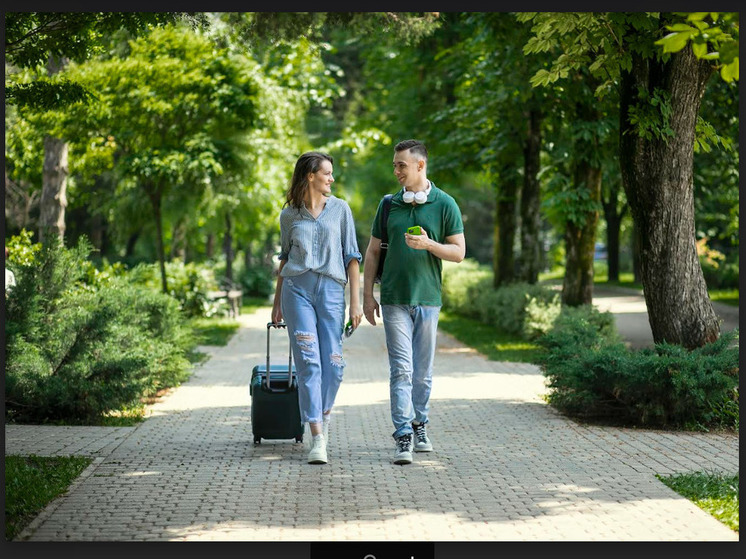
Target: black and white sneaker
(421,440)
(403,453)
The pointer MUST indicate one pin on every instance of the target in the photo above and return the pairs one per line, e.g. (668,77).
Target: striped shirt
(324,245)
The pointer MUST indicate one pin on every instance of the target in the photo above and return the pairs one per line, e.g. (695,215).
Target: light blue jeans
(410,338)
(313,306)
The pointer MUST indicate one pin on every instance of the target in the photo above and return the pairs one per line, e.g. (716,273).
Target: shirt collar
(328,201)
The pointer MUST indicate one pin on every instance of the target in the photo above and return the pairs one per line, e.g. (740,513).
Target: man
(411,290)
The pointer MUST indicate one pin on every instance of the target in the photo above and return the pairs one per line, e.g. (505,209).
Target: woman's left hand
(356,316)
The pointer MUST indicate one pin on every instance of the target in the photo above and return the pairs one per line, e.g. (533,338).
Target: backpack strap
(384,221)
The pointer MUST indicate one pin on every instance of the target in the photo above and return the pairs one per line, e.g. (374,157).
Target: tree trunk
(98,228)
(530,259)
(131,242)
(210,245)
(505,226)
(613,217)
(247,256)
(54,189)
(269,251)
(228,247)
(577,288)
(658,179)
(613,225)
(54,181)
(154,194)
(178,240)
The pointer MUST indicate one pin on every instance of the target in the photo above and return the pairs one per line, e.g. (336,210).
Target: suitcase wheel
(257,440)
(299,439)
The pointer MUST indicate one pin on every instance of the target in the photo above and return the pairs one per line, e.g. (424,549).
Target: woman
(319,254)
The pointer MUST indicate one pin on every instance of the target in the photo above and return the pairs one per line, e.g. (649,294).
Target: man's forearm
(448,251)
(369,275)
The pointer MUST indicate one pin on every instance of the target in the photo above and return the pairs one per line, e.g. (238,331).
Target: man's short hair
(415,146)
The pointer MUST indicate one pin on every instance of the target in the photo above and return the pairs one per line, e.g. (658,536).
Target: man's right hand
(371,310)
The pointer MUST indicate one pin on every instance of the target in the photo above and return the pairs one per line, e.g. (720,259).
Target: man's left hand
(418,242)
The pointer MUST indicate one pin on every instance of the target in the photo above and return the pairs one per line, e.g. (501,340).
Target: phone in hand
(416,230)
(348,329)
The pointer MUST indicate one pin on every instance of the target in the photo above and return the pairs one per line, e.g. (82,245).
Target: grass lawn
(715,493)
(32,482)
(218,330)
(727,296)
(214,330)
(486,340)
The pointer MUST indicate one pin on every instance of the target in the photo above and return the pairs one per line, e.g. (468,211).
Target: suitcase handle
(290,360)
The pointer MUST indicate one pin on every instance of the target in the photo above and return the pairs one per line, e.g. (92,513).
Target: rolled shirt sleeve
(350,248)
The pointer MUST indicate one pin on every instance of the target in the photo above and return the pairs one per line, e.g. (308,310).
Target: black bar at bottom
(372,550)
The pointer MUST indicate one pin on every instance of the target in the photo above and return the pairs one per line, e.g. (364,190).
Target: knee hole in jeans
(307,344)
(337,360)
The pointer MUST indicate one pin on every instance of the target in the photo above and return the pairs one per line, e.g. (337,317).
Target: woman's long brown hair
(309,162)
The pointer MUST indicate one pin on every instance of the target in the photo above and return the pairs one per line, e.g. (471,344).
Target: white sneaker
(318,450)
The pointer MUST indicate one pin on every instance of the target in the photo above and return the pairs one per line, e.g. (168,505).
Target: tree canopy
(183,128)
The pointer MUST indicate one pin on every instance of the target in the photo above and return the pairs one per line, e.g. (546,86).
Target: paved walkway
(631,314)
(506,466)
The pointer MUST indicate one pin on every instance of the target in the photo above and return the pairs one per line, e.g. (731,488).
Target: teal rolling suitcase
(274,399)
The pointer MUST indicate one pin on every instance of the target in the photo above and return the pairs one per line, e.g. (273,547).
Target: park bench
(231,293)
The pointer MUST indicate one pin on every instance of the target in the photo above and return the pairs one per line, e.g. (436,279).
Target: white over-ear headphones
(419,197)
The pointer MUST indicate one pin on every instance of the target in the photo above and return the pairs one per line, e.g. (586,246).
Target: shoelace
(402,444)
(420,432)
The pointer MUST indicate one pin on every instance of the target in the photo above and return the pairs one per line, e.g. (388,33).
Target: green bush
(256,281)
(719,271)
(721,276)
(592,375)
(522,309)
(76,351)
(188,283)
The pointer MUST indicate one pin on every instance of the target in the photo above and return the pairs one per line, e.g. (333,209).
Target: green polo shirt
(410,276)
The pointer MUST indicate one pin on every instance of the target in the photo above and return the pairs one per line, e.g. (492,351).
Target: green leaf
(729,72)
(674,42)
(681,27)
(700,49)
(729,52)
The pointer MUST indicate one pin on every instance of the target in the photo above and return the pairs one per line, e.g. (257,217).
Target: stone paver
(507,467)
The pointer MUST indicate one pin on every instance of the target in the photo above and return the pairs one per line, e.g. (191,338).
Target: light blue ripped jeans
(313,306)
(410,338)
